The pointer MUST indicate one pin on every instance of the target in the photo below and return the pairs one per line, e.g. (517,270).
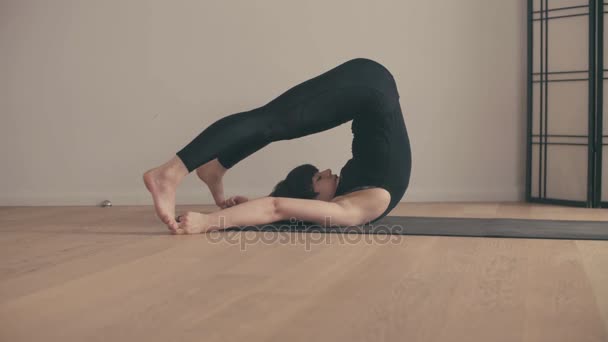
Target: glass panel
(605,38)
(605,107)
(536,49)
(535,170)
(604,140)
(567,172)
(568,108)
(567,3)
(568,111)
(560,4)
(604,174)
(536,109)
(569,44)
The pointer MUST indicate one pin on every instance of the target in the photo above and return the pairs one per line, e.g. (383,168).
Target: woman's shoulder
(370,202)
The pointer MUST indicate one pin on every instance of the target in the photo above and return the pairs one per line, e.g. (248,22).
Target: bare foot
(217,190)
(193,223)
(212,174)
(162,189)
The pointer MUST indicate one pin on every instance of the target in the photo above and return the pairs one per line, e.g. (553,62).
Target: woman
(370,185)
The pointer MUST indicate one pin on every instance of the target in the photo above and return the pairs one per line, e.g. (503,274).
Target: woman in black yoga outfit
(370,184)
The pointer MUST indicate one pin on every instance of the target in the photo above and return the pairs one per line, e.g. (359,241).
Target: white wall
(93,93)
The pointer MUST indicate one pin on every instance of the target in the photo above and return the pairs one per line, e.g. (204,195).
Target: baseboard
(199,196)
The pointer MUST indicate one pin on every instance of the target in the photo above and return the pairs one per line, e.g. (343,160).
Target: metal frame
(595,100)
(599,132)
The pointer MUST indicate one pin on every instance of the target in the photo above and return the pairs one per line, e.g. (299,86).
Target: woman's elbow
(274,205)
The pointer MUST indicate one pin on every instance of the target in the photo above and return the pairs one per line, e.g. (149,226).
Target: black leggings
(318,104)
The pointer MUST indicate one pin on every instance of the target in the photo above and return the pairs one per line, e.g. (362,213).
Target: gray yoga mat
(443,226)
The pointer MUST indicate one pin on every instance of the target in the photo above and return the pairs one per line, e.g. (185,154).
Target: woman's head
(305,181)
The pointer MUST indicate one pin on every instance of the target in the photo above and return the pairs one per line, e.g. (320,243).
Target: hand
(232,201)
(191,223)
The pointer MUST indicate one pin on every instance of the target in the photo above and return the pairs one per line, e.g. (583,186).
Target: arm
(357,208)
(341,213)
(266,210)
(350,210)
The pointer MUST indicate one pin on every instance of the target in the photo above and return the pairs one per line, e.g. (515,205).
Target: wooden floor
(115,274)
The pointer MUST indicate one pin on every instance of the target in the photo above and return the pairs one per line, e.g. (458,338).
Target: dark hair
(297,184)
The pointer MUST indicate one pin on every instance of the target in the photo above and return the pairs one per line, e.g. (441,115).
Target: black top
(381,155)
